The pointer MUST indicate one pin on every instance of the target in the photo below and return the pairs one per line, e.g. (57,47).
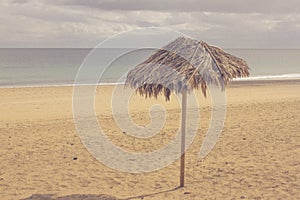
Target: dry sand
(256,157)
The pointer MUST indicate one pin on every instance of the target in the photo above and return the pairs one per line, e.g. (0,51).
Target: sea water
(21,67)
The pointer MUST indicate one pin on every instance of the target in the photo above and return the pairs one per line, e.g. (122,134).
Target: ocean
(22,67)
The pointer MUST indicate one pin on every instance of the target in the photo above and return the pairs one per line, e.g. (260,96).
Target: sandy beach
(256,156)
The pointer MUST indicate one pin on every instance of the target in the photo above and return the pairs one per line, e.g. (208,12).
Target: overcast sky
(85,23)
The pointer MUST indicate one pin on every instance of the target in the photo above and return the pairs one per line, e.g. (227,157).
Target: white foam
(60,85)
(270,77)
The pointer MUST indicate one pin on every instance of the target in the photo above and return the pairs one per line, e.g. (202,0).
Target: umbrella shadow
(151,194)
(71,197)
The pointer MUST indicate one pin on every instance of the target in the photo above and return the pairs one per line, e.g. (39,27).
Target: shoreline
(231,83)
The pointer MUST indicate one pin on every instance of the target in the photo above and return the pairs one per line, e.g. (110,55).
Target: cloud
(234,6)
(64,23)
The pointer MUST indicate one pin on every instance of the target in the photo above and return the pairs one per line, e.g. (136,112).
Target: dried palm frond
(183,65)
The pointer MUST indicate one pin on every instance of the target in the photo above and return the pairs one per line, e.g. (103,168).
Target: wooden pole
(183,121)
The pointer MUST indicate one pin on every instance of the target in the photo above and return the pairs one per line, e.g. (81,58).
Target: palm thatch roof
(183,65)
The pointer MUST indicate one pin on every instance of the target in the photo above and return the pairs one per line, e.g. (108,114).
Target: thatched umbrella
(181,66)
